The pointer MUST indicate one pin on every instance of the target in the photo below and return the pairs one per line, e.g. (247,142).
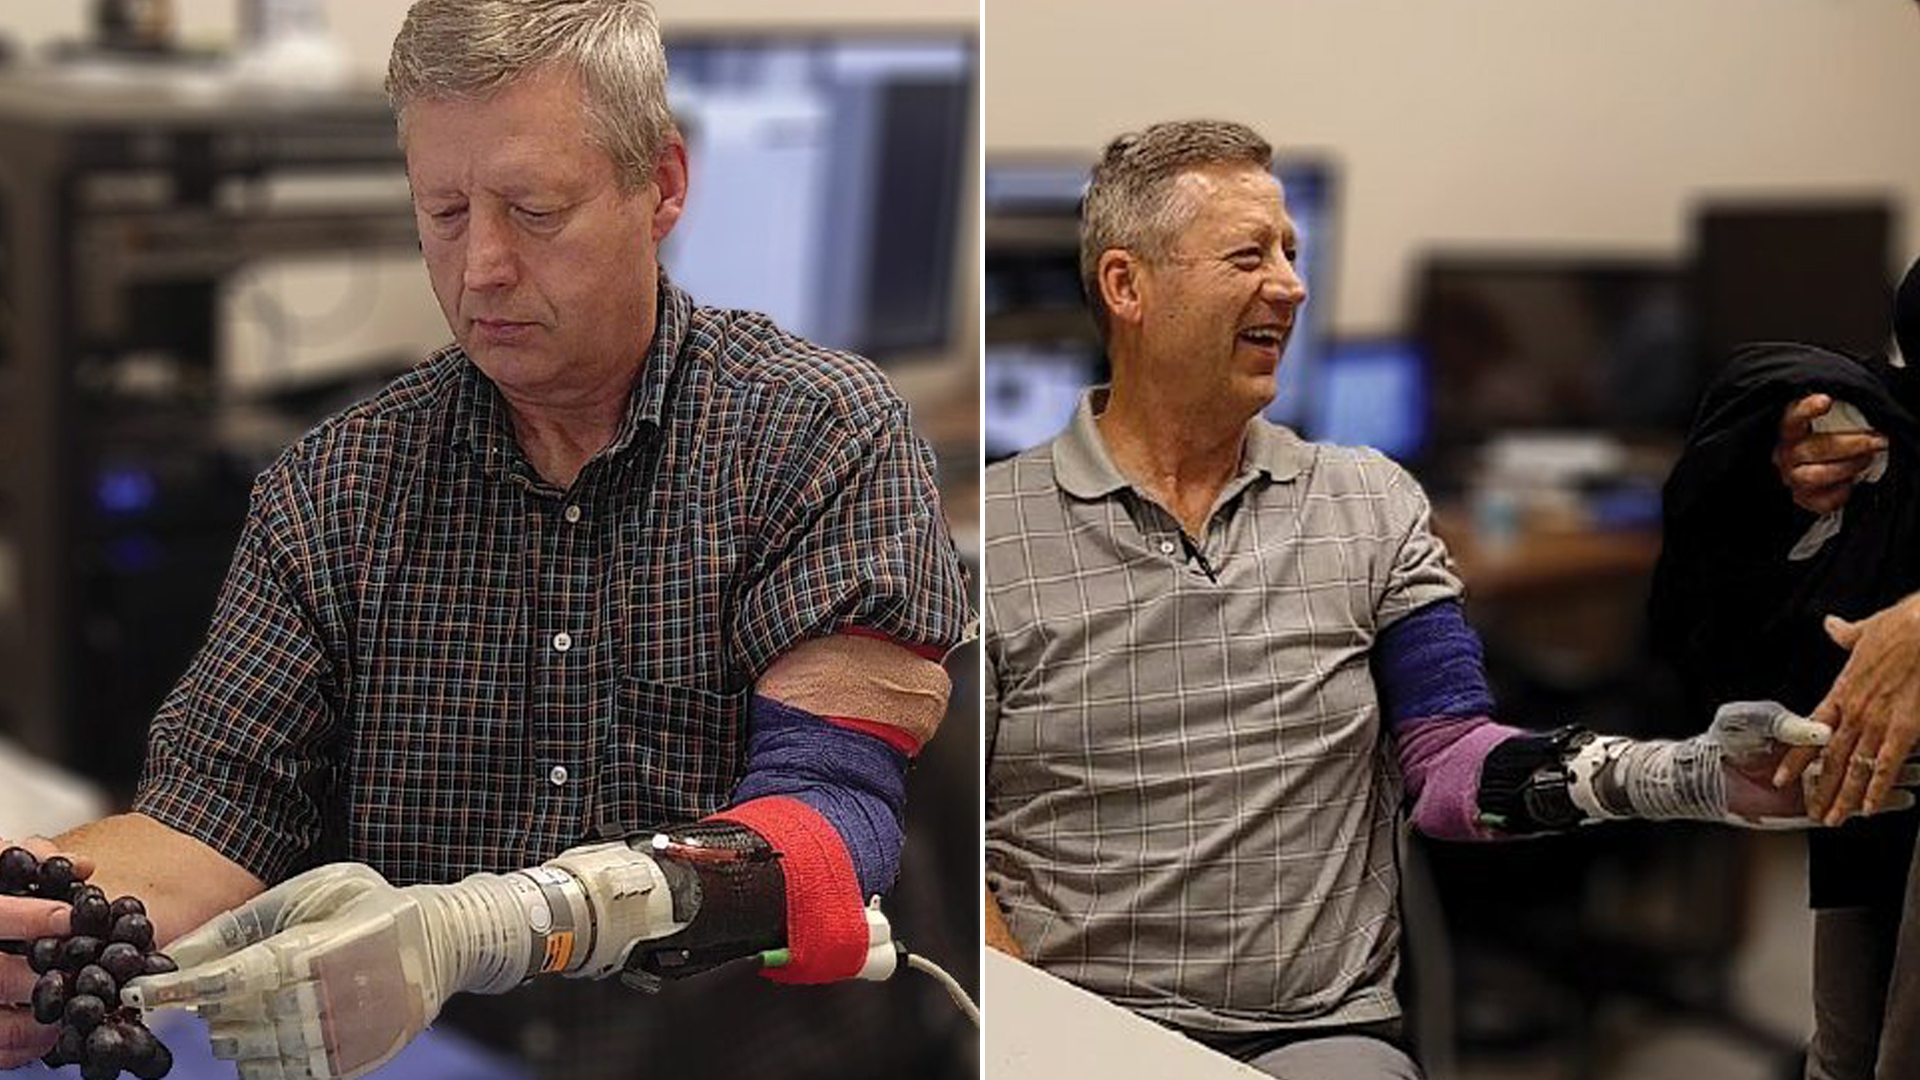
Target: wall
(366,29)
(1480,122)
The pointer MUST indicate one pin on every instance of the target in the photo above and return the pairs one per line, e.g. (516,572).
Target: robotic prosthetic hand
(1569,777)
(331,973)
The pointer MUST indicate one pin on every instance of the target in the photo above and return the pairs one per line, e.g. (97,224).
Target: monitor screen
(1370,392)
(827,181)
(1793,271)
(1528,343)
(1029,393)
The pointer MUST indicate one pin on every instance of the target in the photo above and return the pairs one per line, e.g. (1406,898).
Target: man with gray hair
(646,596)
(1218,654)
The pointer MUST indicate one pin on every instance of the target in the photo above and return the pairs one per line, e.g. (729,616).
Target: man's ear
(670,178)
(1120,275)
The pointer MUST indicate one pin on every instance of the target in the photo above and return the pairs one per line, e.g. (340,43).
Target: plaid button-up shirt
(1191,804)
(427,658)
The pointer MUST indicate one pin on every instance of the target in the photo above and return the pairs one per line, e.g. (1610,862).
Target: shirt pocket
(674,754)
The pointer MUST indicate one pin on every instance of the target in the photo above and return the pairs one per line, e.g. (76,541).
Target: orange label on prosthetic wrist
(559,951)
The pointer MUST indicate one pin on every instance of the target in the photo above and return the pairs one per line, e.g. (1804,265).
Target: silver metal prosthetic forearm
(1610,776)
(1545,781)
(580,914)
(1562,779)
(650,908)
(1570,777)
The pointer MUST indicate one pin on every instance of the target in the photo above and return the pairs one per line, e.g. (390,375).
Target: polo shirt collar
(1275,450)
(1080,458)
(1085,471)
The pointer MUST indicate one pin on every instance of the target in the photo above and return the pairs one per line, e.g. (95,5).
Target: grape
(139,1057)
(56,877)
(44,954)
(77,952)
(92,915)
(18,868)
(127,905)
(158,1064)
(123,962)
(135,930)
(93,979)
(50,997)
(108,1046)
(69,1050)
(84,1011)
(159,963)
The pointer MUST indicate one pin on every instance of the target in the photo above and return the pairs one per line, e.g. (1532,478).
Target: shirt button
(573,514)
(558,775)
(562,641)
(1166,547)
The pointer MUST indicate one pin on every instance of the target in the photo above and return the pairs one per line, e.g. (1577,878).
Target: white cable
(954,989)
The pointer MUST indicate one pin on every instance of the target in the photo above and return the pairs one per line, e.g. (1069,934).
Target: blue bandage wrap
(1429,665)
(852,779)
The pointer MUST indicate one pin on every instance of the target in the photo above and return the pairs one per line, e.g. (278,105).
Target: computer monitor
(828,175)
(1029,394)
(1370,392)
(1801,270)
(1557,342)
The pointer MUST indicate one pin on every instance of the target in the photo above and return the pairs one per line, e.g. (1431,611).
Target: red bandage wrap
(826,920)
(898,738)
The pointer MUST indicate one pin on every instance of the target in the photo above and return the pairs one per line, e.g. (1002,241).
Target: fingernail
(59,922)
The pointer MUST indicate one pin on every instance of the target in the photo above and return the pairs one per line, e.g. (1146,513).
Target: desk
(1541,561)
(1038,1027)
(1567,605)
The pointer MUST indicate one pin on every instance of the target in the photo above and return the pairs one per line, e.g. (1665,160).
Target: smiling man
(1218,655)
(610,567)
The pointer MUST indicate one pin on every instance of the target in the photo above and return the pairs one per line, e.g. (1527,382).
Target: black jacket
(1738,619)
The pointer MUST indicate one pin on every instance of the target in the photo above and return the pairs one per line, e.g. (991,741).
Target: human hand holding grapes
(24,919)
(72,950)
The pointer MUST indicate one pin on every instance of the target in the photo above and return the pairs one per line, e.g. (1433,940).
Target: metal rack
(125,197)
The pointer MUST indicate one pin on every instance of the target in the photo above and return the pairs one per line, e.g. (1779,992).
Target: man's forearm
(182,881)
(998,934)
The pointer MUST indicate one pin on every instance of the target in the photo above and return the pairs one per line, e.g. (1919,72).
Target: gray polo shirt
(1191,807)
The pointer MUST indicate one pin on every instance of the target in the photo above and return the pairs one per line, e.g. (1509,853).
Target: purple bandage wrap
(854,780)
(1428,664)
(1434,697)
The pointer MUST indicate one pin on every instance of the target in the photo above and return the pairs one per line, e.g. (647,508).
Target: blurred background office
(206,246)
(1531,232)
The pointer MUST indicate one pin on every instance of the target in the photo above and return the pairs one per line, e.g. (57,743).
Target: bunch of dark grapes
(81,974)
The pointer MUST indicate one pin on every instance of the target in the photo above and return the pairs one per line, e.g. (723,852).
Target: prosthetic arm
(332,972)
(1539,782)
(1471,778)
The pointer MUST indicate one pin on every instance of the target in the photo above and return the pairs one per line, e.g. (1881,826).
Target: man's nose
(1285,285)
(491,262)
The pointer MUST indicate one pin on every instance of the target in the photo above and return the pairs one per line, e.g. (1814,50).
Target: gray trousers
(1866,992)
(1362,1052)
(1337,1057)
